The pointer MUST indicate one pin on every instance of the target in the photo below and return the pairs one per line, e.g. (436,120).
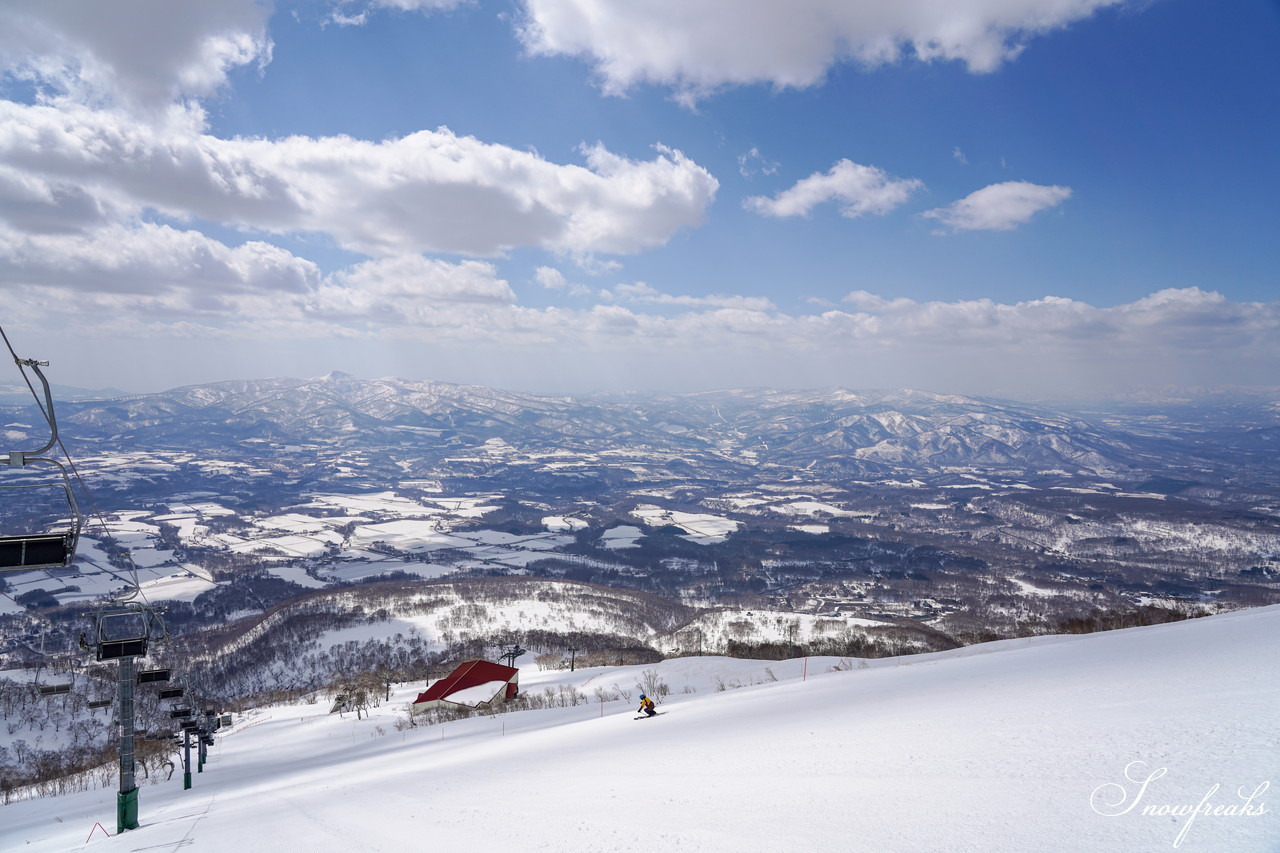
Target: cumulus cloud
(412,291)
(187,277)
(163,283)
(999,207)
(428,191)
(1172,322)
(550,278)
(183,269)
(857,189)
(109,278)
(696,48)
(131,53)
(413,277)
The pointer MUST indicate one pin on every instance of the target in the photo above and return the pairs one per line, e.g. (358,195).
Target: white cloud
(117,278)
(417,5)
(152,265)
(1172,322)
(161,284)
(858,190)
(550,278)
(355,13)
(640,292)
(131,53)
(428,191)
(696,48)
(999,207)
(412,291)
(413,277)
(754,163)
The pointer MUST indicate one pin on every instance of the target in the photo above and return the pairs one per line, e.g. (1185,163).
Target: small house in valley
(473,685)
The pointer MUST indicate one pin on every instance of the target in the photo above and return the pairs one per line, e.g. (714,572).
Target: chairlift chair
(58,687)
(123,631)
(26,552)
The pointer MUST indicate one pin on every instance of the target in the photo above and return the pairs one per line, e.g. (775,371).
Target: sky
(1019,198)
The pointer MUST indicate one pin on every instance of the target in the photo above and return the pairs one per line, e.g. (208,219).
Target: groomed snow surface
(1021,745)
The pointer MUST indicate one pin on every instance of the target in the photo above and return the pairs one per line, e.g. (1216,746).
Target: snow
(622,536)
(699,528)
(815,529)
(803,507)
(296,574)
(1041,744)
(1031,589)
(186,583)
(560,523)
(475,695)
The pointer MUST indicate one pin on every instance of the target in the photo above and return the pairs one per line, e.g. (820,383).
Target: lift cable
(95,512)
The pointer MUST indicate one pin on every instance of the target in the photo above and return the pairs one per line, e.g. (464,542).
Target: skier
(646,705)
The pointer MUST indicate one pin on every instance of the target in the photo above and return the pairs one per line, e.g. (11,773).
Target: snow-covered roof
(479,694)
(469,680)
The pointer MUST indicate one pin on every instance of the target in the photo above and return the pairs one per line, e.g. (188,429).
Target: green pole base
(186,781)
(127,810)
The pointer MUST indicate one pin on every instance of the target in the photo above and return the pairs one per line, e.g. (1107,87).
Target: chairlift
(171,693)
(123,631)
(181,713)
(511,654)
(151,676)
(26,552)
(55,688)
(100,703)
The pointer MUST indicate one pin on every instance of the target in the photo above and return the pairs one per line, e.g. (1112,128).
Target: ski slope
(1012,746)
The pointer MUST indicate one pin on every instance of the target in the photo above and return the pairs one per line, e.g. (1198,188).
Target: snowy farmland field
(1141,739)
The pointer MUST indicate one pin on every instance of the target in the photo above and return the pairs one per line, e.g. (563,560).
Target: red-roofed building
(474,684)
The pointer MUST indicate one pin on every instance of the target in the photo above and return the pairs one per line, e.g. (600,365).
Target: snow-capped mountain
(725,434)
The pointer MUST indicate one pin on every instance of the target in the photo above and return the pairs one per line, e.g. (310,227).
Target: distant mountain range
(18,394)
(828,432)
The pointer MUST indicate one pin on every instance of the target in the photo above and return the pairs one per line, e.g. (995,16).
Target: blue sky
(1008,197)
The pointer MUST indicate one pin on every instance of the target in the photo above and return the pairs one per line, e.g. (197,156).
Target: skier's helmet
(641,695)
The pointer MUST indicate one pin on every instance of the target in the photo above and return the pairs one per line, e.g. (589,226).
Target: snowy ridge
(735,431)
(1023,745)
